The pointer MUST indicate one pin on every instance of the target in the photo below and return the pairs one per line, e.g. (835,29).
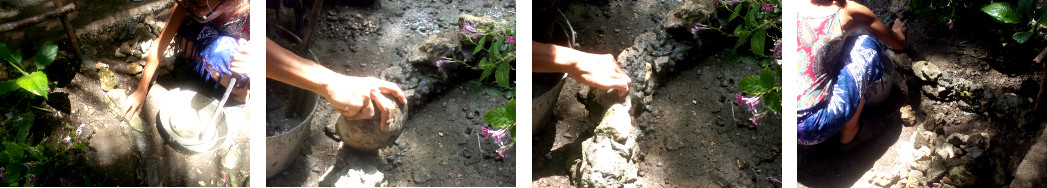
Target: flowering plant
(25,163)
(759,19)
(504,119)
(764,91)
(499,45)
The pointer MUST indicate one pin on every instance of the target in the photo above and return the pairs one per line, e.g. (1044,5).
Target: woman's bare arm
(864,18)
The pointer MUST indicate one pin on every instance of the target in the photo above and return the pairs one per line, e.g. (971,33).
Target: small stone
(567,135)
(659,164)
(908,116)
(316,169)
(694,102)
(441,134)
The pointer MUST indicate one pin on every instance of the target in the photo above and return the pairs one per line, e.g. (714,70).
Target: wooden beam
(37,19)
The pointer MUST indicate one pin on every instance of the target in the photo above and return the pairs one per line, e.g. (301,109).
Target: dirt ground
(991,132)
(697,136)
(442,144)
(122,153)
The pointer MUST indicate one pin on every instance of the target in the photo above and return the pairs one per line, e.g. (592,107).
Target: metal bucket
(544,103)
(281,150)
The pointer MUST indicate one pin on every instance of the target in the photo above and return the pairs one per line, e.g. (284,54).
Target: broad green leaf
(22,123)
(6,54)
(496,48)
(487,69)
(510,109)
(743,35)
(750,17)
(35,83)
(766,78)
(497,118)
(1002,11)
(751,85)
(45,56)
(756,44)
(14,150)
(1021,37)
(1043,16)
(735,14)
(773,101)
(480,46)
(502,74)
(1025,8)
(8,86)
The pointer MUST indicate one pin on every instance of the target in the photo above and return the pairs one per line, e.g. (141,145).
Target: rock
(434,48)
(368,176)
(908,116)
(924,153)
(1008,105)
(961,177)
(673,143)
(923,139)
(608,158)
(421,176)
(926,71)
(957,139)
(913,178)
(106,77)
(367,135)
(687,15)
(884,179)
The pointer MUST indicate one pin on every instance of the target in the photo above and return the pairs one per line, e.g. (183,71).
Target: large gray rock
(961,177)
(652,57)
(367,135)
(926,71)
(609,157)
(692,12)
(433,49)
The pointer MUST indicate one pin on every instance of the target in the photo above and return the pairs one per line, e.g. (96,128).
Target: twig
(571,35)
(478,144)
(37,19)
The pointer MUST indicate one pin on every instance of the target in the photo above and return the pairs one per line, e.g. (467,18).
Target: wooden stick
(307,35)
(36,19)
(69,30)
(1041,95)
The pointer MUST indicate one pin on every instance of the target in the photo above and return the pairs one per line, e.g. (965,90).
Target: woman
(211,38)
(839,61)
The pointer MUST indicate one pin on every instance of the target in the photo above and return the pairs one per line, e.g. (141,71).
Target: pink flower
(697,29)
(486,132)
(499,137)
(510,39)
(440,63)
(777,50)
(32,178)
(469,29)
(66,141)
(756,119)
(502,151)
(730,2)
(3,174)
(767,7)
(80,129)
(949,23)
(752,103)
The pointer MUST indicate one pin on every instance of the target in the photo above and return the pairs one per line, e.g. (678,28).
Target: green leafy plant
(35,82)
(499,45)
(764,90)
(755,18)
(24,162)
(504,119)
(1025,12)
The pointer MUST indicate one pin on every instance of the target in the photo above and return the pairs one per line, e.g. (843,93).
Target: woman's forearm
(157,51)
(553,58)
(285,66)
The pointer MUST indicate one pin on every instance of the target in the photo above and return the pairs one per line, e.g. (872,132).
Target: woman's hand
(600,71)
(899,28)
(363,98)
(133,104)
